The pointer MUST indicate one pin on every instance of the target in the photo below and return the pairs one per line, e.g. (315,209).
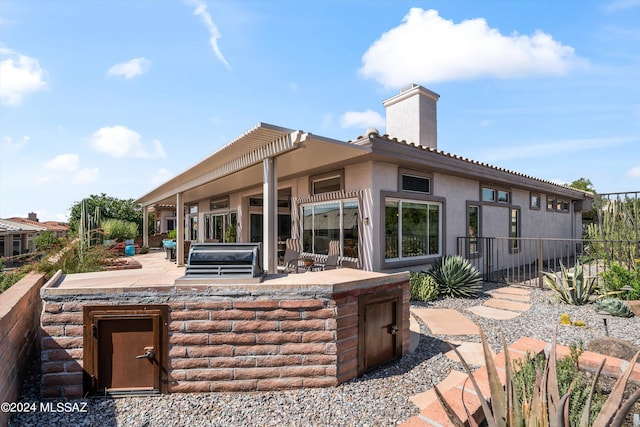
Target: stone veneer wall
(20,308)
(224,343)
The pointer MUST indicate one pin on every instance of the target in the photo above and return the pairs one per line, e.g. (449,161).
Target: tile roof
(386,137)
(46,225)
(9,225)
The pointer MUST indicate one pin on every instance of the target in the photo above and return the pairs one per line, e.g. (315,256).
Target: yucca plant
(614,306)
(422,287)
(572,287)
(456,277)
(545,407)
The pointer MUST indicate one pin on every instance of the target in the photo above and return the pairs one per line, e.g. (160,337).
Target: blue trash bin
(129,250)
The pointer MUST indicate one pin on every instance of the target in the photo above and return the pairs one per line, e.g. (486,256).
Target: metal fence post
(540,265)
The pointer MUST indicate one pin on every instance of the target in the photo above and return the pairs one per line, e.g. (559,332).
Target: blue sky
(118,96)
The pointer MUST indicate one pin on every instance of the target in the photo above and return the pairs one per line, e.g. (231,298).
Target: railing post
(540,264)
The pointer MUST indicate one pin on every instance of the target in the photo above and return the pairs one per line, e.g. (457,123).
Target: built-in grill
(224,260)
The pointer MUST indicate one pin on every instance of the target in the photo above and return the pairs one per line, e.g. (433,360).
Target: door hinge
(94,382)
(94,330)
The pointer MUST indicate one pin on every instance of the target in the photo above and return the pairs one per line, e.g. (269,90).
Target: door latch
(149,353)
(393,329)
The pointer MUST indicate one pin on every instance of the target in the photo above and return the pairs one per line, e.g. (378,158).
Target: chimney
(411,115)
(32,216)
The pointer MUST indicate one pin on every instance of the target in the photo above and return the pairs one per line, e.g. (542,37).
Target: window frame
(478,252)
(420,258)
(325,177)
(402,172)
(518,229)
(341,203)
(533,205)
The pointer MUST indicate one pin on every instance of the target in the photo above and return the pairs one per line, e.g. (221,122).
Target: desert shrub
(422,287)
(572,287)
(618,276)
(10,277)
(95,258)
(456,277)
(118,229)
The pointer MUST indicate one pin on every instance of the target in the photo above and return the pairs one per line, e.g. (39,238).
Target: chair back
(332,262)
(293,244)
(334,247)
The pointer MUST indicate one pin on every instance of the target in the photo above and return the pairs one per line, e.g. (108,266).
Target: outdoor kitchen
(218,324)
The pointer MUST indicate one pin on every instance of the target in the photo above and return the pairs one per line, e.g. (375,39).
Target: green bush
(422,287)
(46,240)
(10,277)
(456,277)
(572,287)
(118,229)
(95,258)
(171,234)
(618,276)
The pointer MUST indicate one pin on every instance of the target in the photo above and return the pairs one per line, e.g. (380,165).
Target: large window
(333,221)
(412,229)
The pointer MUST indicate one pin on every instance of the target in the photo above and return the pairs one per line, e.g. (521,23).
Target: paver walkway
(504,304)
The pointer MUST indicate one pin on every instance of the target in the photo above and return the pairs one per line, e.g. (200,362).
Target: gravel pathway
(380,398)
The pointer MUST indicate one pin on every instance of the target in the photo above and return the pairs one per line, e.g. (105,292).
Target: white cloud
(131,68)
(361,119)
(205,16)
(161,176)
(618,5)
(64,162)
(86,176)
(21,75)
(16,144)
(427,48)
(634,172)
(120,141)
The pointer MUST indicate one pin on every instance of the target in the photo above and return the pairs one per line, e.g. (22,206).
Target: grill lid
(224,260)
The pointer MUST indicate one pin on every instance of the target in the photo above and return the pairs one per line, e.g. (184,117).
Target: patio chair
(291,261)
(331,263)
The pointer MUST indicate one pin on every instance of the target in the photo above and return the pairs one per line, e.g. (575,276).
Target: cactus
(614,306)
(565,319)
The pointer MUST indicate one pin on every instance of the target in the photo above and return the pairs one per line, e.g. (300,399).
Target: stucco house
(392,201)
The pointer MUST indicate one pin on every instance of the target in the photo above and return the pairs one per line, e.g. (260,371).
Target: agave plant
(614,306)
(546,407)
(572,287)
(456,277)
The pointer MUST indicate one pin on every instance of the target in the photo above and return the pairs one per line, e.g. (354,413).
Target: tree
(110,207)
(583,184)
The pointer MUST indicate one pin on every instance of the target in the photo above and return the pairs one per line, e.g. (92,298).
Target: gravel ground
(380,398)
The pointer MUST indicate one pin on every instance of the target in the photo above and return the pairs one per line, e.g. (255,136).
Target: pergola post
(180,229)
(270,215)
(145,226)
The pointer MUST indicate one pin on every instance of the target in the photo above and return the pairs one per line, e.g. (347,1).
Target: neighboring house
(391,201)
(16,238)
(16,234)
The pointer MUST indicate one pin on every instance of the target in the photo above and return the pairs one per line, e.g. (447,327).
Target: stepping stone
(493,313)
(414,334)
(426,398)
(506,304)
(512,297)
(513,290)
(446,321)
(471,352)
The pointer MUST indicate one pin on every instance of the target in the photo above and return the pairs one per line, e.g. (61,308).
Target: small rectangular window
(327,185)
(551,203)
(219,204)
(473,222)
(514,231)
(488,195)
(565,206)
(535,201)
(193,209)
(503,196)
(416,183)
(559,205)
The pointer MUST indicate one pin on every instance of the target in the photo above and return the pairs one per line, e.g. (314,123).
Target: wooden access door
(380,328)
(125,351)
